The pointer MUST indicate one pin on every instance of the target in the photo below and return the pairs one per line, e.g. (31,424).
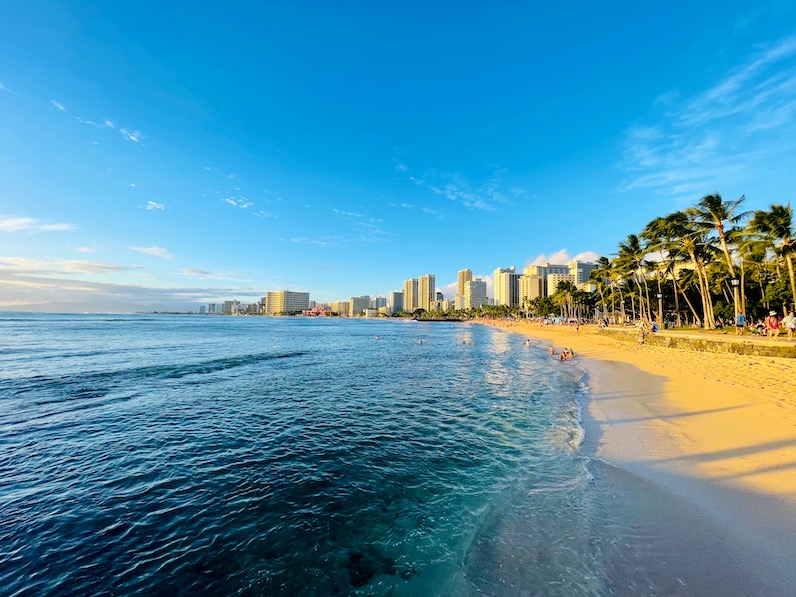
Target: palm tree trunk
(676,301)
(789,262)
(690,306)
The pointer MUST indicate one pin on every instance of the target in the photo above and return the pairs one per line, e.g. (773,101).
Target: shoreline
(716,430)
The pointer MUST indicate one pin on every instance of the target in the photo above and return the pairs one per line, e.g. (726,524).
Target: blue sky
(162,155)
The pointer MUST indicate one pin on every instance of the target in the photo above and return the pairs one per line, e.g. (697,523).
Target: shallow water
(176,454)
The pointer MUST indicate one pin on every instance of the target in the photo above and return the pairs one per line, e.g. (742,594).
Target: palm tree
(600,274)
(714,214)
(776,225)
(631,259)
(692,240)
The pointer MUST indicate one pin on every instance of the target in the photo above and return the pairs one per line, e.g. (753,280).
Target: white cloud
(264,214)
(132,136)
(17,224)
(189,271)
(4,88)
(58,105)
(28,266)
(489,194)
(562,257)
(241,202)
(150,205)
(346,213)
(84,250)
(154,252)
(312,241)
(744,124)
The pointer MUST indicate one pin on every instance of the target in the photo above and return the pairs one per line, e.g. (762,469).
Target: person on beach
(740,323)
(772,325)
(789,323)
(643,330)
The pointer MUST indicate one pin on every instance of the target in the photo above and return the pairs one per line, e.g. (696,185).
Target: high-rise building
(426,292)
(462,277)
(357,305)
(341,308)
(581,270)
(553,280)
(507,289)
(286,301)
(474,294)
(531,287)
(543,271)
(378,302)
(410,295)
(396,302)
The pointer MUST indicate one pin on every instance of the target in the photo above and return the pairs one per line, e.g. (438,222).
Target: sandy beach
(718,430)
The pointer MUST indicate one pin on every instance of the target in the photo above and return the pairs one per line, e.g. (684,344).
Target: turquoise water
(267,456)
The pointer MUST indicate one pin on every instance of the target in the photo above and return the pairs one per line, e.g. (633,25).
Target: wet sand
(716,431)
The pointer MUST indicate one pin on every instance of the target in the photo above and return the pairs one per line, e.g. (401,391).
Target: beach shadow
(682,415)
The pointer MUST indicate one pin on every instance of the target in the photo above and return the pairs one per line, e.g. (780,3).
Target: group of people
(771,326)
(565,355)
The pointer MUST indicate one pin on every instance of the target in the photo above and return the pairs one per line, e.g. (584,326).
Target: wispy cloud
(489,194)
(189,271)
(18,224)
(30,266)
(227,175)
(58,285)
(4,88)
(154,252)
(238,201)
(350,214)
(58,105)
(84,250)
(150,205)
(264,214)
(730,132)
(300,240)
(131,135)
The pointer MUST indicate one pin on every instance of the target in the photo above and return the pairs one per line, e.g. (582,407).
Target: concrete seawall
(745,345)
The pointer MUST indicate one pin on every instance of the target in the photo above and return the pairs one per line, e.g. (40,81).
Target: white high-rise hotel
(513,289)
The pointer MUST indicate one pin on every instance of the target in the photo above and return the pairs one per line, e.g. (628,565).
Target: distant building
(531,287)
(202,309)
(342,308)
(507,288)
(396,302)
(581,270)
(286,301)
(462,277)
(553,280)
(410,295)
(474,294)
(357,304)
(378,302)
(426,291)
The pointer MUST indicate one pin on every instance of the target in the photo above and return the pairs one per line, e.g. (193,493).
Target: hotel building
(426,292)
(507,288)
(285,301)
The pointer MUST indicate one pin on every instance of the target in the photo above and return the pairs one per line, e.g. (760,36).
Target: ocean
(182,455)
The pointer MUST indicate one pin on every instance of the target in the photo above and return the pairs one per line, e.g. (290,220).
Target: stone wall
(745,345)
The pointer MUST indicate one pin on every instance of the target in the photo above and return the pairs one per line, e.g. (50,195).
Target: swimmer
(551,350)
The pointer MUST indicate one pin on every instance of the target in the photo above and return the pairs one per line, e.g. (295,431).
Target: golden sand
(676,414)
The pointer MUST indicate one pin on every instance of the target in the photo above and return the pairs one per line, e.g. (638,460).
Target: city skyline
(159,157)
